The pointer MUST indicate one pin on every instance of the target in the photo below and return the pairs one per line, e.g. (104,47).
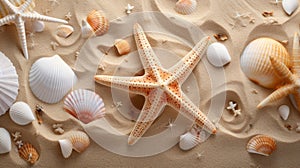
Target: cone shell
(261,144)
(122,46)
(185,7)
(256,65)
(28,153)
(66,147)
(86,30)
(5,141)
(51,79)
(98,22)
(4,10)
(9,84)
(85,105)
(21,113)
(290,6)
(80,141)
(64,31)
(218,55)
(191,139)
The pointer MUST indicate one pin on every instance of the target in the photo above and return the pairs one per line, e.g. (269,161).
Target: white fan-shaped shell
(290,6)
(284,111)
(4,10)
(191,139)
(9,84)
(218,55)
(85,105)
(21,113)
(51,79)
(185,7)
(86,29)
(80,141)
(5,141)
(66,147)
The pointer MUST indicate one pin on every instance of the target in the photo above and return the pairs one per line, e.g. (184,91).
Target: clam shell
(284,111)
(85,105)
(218,55)
(5,141)
(86,29)
(66,147)
(122,46)
(185,7)
(98,22)
(191,139)
(35,26)
(4,10)
(9,84)
(64,31)
(51,79)
(255,62)
(289,6)
(261,144)
(21,113)
(28,153)
(80,141)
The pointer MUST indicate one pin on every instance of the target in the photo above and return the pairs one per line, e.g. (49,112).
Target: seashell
(28,153)
(9,84)
(191,138)
(221,37)
(21,113)
(218,55)
(185,7)
(85,105)
(255,61)
(51,79)
(5,141)
(284,111)
(4,11)
(64,31)
(66,147)
(98,22)
(122,46)
(289,6)
(80,141)
(261,144)
(35,26)
(86,29)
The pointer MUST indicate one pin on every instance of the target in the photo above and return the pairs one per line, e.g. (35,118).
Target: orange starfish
(160,86)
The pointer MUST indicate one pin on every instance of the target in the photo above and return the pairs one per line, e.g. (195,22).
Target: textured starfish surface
(160,86)
(18,16)
(291,78)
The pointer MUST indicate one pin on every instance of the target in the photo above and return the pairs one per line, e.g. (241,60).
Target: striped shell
(98,22)
(261,144)
(80,141)
(255,61)
(122,46)
(21,113)
(65,147)
(5,141)
(64,31)
(4,10)
(185,7)
(191,139)
(28,153)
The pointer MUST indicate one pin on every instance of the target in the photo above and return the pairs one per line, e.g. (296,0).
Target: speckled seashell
(290,6)
(80,141)
(122,46)
(66,147)
(261,144)
(218,55)
(28,153)
(255,61)
(98,22)
(86,29)
(21,113)
(185,7)
(5,141)
(64,31)
(4,11)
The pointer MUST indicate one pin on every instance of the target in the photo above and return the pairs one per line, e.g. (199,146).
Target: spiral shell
(261,144)
(185,7)
(28,153)
(255,61)
(4,10)
(98,22)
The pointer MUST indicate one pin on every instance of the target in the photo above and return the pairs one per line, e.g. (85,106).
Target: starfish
(129,8)
(232,106)
(291,78)
(160,86)
(18,16)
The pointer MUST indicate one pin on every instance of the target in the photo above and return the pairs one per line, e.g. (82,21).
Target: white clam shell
(85,105)
(5,141)
(64,31)
(284,111)
(66,147)
(185,7)
(9,84)
(218,55)
(51,79)
(21,113)
(290,6)
(191,139)
(86,29)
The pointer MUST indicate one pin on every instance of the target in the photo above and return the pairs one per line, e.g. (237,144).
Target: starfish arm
(9,6)
(154,104)
(37,16)
(7,19)
(22,35)
(25,5)
(278,94)
(281,70)
(296,55)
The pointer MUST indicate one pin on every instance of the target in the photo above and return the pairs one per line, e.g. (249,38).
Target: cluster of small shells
(95,23)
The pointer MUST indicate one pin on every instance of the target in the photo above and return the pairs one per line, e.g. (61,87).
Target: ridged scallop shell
(28,153)
(21,113)
(185,7)
(98,22)
(4,10)
(290,6)
(66,147)
(255,61)
(5,141)
(86,29)
(64,31)
(191,139)
(122,46)
(80,141)
(261,144)
(51,79)
(218,55)
(9,84)
(85,105)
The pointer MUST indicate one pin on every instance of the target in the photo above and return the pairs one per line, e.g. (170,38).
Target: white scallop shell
(284,112)
(21,113)
(185,7)
(85,105)
(64,31)
(191,139)
(66,147)
(290,6)
(5,141)
(4,10)
(51,79)
(218,55)
(9,84)
(86,29)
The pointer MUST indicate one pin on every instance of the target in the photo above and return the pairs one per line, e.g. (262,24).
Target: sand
(225,149)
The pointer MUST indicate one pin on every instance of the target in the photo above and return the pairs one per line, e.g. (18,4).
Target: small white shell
(284,111)
(191,139)
(290,6)
(185,7)
(218,55)
(5,141)
(21,113)
(35,26)
(86,29)
(9,84)
(51,79)
(64,31)
(66,147)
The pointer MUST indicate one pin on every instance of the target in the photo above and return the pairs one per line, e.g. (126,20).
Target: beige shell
(98,22)
(255,61)
(80,141)
(185,7)
(4,10)
(122,46)
(28,153)
(261,144)
(64,31)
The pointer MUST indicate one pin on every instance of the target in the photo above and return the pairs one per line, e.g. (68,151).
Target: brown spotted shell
(261,144)
(98,22)
(28,153)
